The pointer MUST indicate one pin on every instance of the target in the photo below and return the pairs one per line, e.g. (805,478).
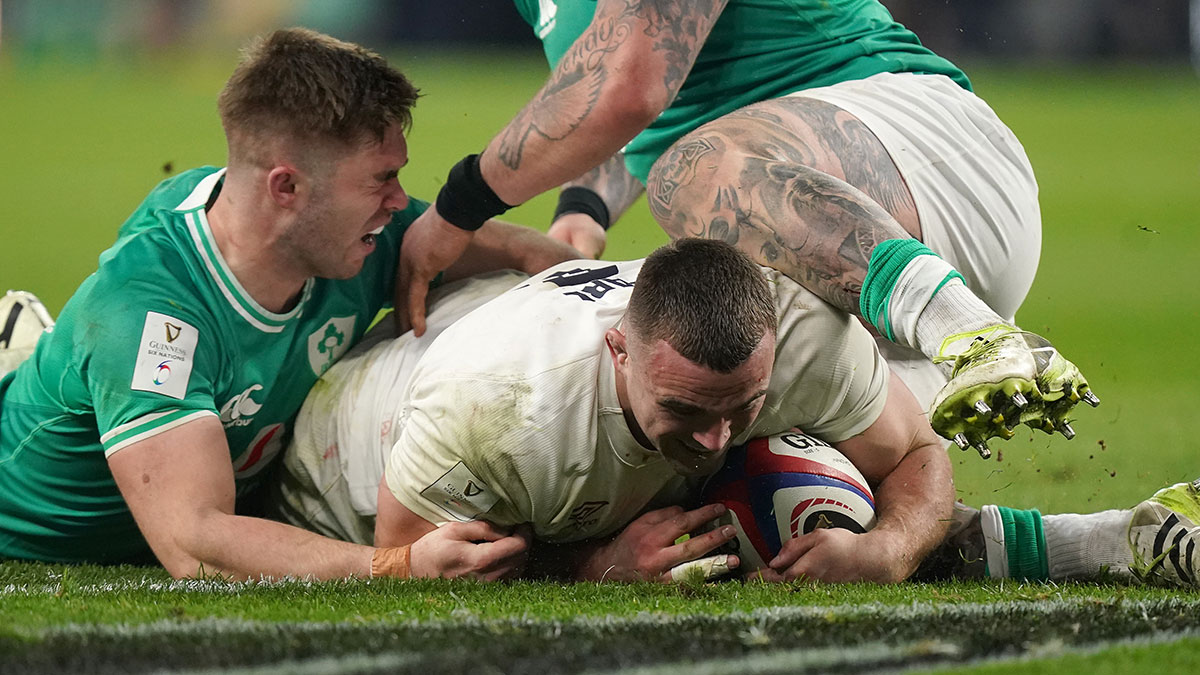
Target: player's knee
(684,182)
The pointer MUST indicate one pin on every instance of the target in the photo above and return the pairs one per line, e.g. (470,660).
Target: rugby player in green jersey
(820,137)
(174,374)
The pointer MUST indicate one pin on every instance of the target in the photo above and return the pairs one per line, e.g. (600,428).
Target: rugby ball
(782,486)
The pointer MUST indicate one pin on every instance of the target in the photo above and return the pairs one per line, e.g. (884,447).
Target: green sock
(884,297)
(1025,544)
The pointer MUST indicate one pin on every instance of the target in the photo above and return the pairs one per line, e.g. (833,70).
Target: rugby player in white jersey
(579,403)
(511,425)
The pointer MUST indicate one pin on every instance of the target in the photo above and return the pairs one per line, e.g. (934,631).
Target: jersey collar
(193,208)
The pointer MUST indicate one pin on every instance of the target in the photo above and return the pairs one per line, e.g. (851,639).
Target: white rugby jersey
(349,422)
(513,417)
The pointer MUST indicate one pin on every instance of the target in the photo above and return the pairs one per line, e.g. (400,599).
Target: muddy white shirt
(513,414)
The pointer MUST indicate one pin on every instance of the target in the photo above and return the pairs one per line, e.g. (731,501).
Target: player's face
(349,206)
(691,413)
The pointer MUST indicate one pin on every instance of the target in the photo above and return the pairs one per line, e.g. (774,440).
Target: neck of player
(247,236)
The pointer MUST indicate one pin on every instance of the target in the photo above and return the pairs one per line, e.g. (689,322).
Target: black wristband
(582,200)
(466,201)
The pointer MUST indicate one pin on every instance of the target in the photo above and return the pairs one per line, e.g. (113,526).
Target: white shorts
(972,184)
(345,430)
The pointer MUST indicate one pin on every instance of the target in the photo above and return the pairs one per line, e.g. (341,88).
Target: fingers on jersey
(581,232)
(475,549)
(413,310)
(479,531)
(430,246)
(504,558)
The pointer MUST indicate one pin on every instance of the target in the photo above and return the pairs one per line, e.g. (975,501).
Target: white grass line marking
(752,625)
(927,655)
(356,663)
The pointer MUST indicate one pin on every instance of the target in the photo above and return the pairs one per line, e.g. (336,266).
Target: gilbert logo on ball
(783,486)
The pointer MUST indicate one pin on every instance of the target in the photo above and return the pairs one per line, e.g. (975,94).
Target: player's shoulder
(154,262)
(117,304)
(182,193)
(578,290)
(812,333)
(157,231)
(551,320)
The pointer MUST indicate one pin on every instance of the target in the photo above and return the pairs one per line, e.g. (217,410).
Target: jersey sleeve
(452,462)
(830,379)
(147,365)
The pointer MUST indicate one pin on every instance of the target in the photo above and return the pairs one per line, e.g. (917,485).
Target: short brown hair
(707,299)
(308,87)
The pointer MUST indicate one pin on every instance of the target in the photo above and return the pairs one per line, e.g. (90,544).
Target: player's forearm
(542,147)
(499,245)
(613,183)
(913,505)
(623,71)
(241,547)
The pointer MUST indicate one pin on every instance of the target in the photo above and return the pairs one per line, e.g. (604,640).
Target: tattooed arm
(615,185)
(611,84)
(617,188)
(615,79)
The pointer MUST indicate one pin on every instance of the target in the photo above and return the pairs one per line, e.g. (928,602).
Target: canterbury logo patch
(238,410)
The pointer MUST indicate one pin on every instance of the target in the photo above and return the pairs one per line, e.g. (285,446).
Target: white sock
(924,308)
(993,541)
(955,309)
(1082,545)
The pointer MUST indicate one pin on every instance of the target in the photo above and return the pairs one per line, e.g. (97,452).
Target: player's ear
(282,183)
(617,347)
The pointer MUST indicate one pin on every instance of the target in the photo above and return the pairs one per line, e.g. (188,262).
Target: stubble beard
(315,248)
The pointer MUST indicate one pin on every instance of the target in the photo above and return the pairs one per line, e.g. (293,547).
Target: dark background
(1028,30)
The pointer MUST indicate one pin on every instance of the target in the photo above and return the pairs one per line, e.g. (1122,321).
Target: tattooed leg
(805,188)
(797,183)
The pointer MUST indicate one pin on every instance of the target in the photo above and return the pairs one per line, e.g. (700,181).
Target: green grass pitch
(1117,153)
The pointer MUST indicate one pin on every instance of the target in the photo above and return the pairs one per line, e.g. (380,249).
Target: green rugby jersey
(162,334)
(758,50)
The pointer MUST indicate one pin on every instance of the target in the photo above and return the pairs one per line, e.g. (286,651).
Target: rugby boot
(1163,536)
(1001,377)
